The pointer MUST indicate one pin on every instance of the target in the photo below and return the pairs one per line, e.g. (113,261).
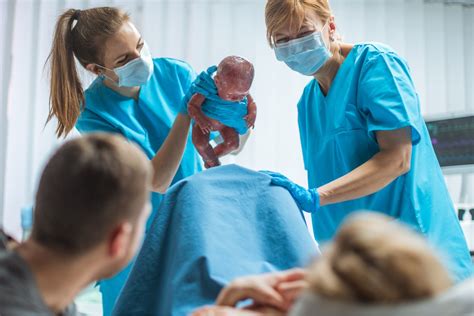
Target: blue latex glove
(307,200)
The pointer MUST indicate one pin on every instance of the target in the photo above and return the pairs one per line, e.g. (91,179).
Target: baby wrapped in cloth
(227,112)
(221,102)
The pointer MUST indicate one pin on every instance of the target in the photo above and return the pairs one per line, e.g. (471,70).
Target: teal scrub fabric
(146,122)
(373,91)
(215,226)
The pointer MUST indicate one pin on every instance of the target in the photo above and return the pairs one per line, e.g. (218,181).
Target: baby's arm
(195,112)
(251,112)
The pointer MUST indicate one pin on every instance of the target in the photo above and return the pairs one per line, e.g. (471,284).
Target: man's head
(93,198)
(234,78)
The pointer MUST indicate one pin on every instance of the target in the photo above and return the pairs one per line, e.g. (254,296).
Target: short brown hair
(88,186)
(374,259)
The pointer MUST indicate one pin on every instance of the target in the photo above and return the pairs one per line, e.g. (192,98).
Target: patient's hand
(277,290)
(232,311)
(272,294)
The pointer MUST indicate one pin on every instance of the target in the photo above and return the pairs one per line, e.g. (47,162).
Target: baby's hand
(208,124)
(251,118)
(216,125)
(204,124)
(230,311)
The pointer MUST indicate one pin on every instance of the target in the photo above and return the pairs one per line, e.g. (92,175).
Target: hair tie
(76,15)
(75,18)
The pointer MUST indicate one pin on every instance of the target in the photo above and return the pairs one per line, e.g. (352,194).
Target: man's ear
(120,240)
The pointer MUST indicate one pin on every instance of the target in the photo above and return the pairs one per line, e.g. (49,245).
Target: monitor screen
(453,140)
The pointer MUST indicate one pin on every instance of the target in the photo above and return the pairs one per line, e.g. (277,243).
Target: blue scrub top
(146,122)
(373,91)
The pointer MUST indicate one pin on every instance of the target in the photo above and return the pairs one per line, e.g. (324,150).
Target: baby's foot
(211,163)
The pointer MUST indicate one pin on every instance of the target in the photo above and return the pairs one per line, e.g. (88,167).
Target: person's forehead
(122,42)
(236,79)
(241,89)
(233,74)
(238,87)
(311,21)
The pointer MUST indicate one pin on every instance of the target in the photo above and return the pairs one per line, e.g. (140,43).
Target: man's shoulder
(18,292)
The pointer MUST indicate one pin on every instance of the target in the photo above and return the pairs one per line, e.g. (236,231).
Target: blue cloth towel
(228,113)
(212,227)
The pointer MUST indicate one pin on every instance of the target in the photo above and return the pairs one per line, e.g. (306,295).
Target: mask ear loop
(331,38)
(103,75)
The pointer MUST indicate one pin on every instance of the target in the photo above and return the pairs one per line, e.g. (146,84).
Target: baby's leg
(201,142)
(231,142)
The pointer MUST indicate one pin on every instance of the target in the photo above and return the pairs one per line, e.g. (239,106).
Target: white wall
(437,40)
(6,11)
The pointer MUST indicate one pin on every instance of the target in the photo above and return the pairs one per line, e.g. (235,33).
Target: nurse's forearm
(372,176)
(167,160)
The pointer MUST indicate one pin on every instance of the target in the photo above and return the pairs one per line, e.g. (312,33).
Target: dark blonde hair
(293,13)
(83,40)
(373,259)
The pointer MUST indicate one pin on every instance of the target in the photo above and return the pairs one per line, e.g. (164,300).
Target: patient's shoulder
(462,291)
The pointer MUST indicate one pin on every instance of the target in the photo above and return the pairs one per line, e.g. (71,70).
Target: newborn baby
(222,103)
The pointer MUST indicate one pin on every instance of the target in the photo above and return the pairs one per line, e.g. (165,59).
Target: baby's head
(234,78)
(374,259)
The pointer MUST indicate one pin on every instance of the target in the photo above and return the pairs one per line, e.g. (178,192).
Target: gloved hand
(307,200)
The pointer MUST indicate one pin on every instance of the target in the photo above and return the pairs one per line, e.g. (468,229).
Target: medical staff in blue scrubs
(365,144)
(133,95)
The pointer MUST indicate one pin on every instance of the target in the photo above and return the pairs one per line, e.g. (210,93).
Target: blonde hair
(84,40)
(292,13)
(373,259)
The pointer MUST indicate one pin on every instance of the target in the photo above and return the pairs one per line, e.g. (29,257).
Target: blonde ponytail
(66,94)
(83,40)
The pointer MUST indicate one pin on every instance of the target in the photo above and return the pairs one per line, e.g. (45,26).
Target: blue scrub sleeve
(187,78)
(90,123)
(387,96)
(189,75)
(302,128)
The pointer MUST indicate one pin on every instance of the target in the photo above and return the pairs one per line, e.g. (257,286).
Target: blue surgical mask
(136,72)
(305,55)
